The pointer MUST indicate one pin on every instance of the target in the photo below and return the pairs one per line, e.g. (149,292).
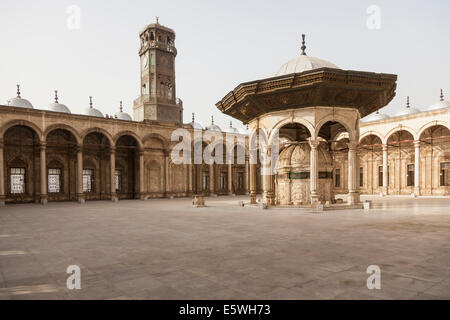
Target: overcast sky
(220,44)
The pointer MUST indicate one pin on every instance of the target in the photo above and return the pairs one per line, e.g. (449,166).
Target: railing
(154,99)
(160,45)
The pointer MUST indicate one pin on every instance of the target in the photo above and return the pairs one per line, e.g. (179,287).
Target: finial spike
(193,117)
(56,96)
(303,45)
(90,102)
(121,107)
(407,101)
(212,119)
(231,124)
(442,95)
(18,91)
(157,20)
(247,126)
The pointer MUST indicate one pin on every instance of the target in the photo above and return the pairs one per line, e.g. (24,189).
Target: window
(445,174)
(361,176)
(54,180)
(17,180)
(337,178)
(410,175)
(380,176)
(240,180)
(223,180)
(205,181)
(88,177)
(118,180)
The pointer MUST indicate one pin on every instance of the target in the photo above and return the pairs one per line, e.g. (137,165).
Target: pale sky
(220,44)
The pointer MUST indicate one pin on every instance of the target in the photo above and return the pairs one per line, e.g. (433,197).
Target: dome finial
(407,101)
(121,108)
(212,119)
(303,45)
(157,20)
(193,117)
(18,91)
(90,102)
(56,96)
(247,126)
(442,95)
(231,124)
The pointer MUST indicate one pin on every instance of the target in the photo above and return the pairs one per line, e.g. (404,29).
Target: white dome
(408,110)
(232,129)
(441,104)
(303,63)
(20,103)
(375,117)
(123,116)
(196,125)
(58,107)
(213,127)
(93,112)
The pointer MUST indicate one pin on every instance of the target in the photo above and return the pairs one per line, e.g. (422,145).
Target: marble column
(353,192)
(268,196)
(80,194)
(246,176)
(385,170)
(230,179)
(314,171)
(166,176)
(44,177)
(2,175)
(417,168)
(112,161)
(212,180)
(253,169)
(141,175)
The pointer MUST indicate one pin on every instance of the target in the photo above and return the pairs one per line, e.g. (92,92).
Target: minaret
(157,99)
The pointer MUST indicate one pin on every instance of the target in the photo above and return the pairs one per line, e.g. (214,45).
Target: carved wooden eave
(365,91)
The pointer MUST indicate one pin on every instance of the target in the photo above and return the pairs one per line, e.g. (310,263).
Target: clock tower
(158,95)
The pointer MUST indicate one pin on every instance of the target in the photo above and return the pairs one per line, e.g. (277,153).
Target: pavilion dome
(213,127)
(58,107)
(303,63)
(19,102)
(195,125)
(441,104)
(407,110)
(375,117)
(122,115)
(91,111)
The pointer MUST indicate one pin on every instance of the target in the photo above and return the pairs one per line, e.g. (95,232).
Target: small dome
(122,115)
(441,104)
(91,111)
(375,117)
(232,129)
(58,107)
(213,127)
(195,125)
(408,110)
(19,102)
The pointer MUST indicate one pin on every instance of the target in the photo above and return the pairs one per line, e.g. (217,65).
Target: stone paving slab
(166,249)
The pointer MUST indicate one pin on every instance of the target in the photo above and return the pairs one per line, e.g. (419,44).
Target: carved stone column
(314,171)
(80,194)
(385,190)
(112,161)
(353,193)
(268,196)
(417,168)
(2,175)
(230,179)
(212,180)
(43,165)
(141,175)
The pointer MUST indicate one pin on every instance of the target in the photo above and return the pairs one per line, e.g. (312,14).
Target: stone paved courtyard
(165,249)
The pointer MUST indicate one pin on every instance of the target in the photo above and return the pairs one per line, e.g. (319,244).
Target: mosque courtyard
(166,249)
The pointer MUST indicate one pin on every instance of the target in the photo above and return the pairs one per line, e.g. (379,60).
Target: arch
(284,122)
(371,133)
(399,128)
(23,123)
(99,130)
(164,142)
(352,132)
(431,124)
(61,126)
(128,133)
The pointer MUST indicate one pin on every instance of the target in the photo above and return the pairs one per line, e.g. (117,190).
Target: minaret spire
(18,91)
(56,96)
(303,45)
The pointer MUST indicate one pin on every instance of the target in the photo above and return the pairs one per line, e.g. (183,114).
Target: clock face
(144,61)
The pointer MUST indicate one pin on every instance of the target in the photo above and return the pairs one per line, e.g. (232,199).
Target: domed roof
(232,129)
(303,63)
(91,111)
(195,125)
(375,117)
(122,115)
(213,127)
(441,104)
(408,110)
(58,107)
(19,101)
